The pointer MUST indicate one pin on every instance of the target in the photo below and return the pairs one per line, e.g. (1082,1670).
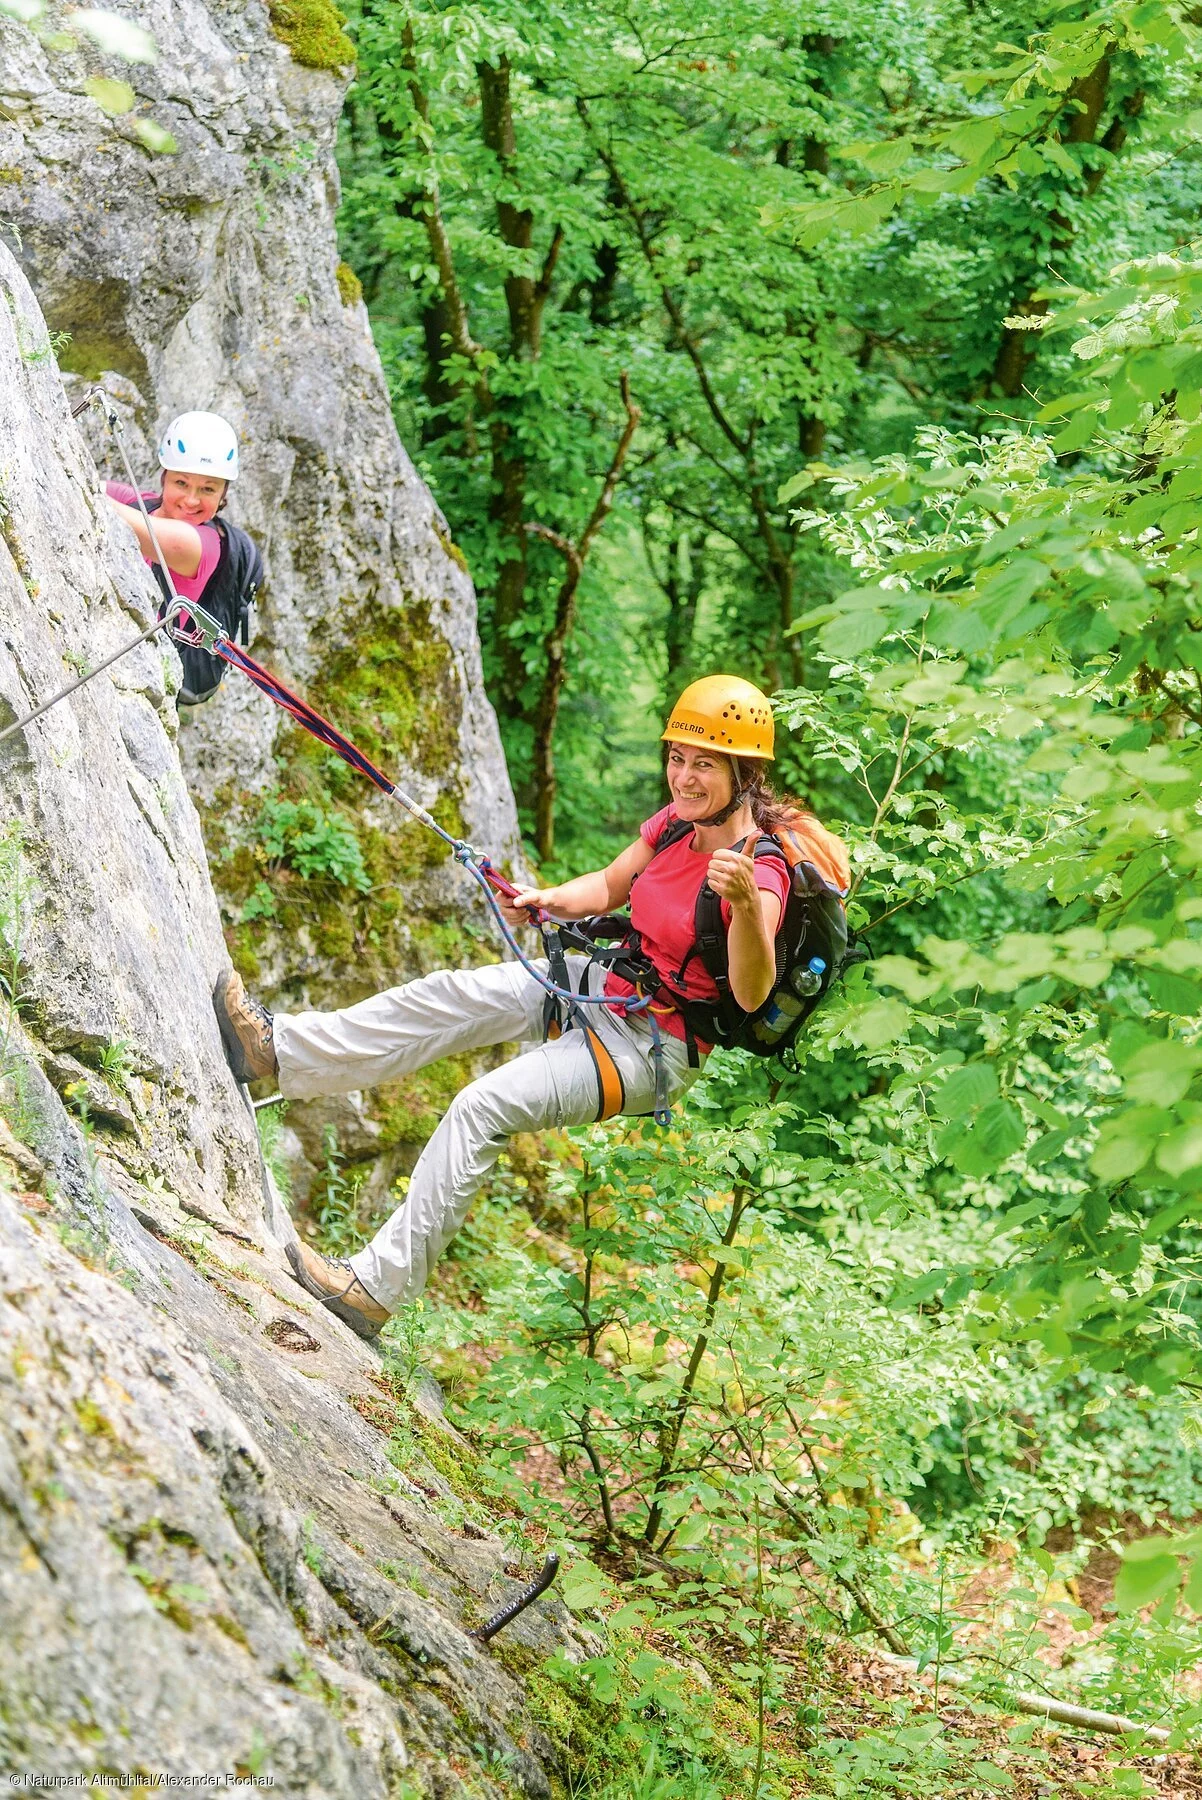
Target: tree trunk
(525,300)
(601,296)
(555,644)
(686,577)
(515,223)
(816,155)
(1017,348)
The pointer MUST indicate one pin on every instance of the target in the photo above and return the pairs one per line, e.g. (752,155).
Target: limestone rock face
(209,278)
(229,1539)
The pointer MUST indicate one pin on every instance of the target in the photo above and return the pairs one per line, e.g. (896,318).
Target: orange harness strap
(611,1088)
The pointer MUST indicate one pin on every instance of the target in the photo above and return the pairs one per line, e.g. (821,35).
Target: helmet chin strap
(739,793)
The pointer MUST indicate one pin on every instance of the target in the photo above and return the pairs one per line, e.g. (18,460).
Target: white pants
(396,1032)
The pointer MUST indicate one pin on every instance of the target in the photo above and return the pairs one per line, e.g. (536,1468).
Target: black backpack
(813,931)
(229,595)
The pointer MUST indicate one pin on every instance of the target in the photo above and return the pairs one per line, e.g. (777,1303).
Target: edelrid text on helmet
(727,712)
(200,443)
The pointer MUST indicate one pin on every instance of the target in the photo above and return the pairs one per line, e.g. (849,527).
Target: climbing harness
(203,631)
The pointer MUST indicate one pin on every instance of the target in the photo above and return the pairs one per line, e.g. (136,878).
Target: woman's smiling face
(699,780)
(192,499)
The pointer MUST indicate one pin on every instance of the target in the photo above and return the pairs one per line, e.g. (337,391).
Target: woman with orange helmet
(719,739)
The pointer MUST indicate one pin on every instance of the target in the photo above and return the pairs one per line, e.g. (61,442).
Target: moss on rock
(451,547)
(398,692)
(312,30)
(350,287)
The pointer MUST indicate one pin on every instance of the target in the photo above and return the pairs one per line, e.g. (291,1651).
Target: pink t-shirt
(188,587)
(662,904)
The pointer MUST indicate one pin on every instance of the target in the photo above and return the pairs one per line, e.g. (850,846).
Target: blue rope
(662,1111)
(464,854)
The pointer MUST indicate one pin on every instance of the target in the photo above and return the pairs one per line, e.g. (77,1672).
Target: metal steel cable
(20,724)
(208,631)
(168,618)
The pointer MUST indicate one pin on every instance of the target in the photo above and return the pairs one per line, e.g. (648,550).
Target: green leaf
(1145,1574)
(1161,1073)
(583,1587)
(997,1133)
(936,181)
(795,485)
(965,1090)
(113,97)
(974,140)
(1055,153)
(1048,1146)
(1077,432)
(881,1022)
(114,35)
(1016,581)
(884,157)
(155,138)
(851,633)
(1126,1142)
(1180,1150)
(1171,993)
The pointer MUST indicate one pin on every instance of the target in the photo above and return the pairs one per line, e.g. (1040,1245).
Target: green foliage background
(910,303)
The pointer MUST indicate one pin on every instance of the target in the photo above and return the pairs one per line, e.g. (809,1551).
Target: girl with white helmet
(198,455)
(719,739)
(209,560)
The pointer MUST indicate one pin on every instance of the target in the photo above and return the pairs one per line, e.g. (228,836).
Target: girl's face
(193,499)
(700,780)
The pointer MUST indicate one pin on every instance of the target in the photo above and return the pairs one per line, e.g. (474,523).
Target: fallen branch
(1022,1700)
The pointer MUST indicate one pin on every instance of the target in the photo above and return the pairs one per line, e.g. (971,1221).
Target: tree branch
(436,231)
(542,286)
(671,305)
(555,643)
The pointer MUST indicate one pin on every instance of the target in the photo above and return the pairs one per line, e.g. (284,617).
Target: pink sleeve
(210,555)
(117,490)
(650,829)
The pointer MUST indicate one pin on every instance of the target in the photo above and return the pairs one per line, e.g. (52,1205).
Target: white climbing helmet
(200,443)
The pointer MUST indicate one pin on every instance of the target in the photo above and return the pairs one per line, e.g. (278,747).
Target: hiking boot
(246,1030)
(333,1282)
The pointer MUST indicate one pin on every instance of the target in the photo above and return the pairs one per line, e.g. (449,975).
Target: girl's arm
(751,937)
(181,543)
(597,892)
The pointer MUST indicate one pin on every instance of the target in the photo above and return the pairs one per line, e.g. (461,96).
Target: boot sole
(235,1054)
(348,1314)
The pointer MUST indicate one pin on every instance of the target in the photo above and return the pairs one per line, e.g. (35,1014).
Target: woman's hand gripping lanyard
(610,1086)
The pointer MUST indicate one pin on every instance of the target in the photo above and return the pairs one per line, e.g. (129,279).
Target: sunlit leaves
(113,97)
(113,34)
(156,138)
(965,1090)
(978,1143)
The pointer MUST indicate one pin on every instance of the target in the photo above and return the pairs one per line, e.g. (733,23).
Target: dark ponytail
(770,810)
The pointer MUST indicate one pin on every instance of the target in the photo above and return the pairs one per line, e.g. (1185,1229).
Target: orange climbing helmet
(725,711)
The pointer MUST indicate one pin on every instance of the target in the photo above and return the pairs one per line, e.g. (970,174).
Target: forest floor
(841,1720)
